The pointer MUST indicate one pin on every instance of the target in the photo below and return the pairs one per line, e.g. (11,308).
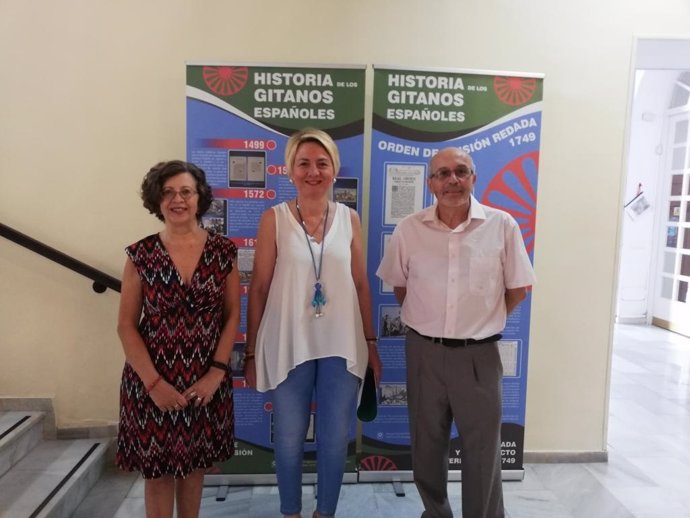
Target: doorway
(655,239)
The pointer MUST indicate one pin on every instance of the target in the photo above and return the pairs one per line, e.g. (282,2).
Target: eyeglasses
(185,193)
(461,173)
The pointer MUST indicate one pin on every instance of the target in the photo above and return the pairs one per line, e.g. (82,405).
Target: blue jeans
(336,394)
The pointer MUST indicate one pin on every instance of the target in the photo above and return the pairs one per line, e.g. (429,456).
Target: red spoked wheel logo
(512,190)
(225,80)
(514,91)
(377,463)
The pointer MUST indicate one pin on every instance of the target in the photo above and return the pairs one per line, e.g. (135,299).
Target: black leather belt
(459,342)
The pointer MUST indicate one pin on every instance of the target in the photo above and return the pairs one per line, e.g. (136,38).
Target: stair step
(20,432)
(51,480)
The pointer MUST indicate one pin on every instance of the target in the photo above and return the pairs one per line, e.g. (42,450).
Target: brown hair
(152,186)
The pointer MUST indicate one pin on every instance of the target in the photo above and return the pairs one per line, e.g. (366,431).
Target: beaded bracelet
(153,384)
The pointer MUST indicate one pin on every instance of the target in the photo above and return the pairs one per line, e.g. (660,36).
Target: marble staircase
(42,478)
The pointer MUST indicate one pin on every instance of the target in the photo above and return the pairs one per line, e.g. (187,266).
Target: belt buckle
(458,342)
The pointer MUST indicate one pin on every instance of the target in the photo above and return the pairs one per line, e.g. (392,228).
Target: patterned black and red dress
(180,326)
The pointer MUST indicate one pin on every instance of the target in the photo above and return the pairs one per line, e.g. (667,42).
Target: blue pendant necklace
(319,300)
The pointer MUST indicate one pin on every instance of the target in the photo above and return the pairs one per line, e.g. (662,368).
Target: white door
(671,301)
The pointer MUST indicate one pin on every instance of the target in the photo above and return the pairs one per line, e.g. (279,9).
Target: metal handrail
(101,281)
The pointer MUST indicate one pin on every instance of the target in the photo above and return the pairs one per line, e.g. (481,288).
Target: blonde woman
(309,327)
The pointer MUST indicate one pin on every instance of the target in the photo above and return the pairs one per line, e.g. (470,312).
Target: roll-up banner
(239,117)
(496,117)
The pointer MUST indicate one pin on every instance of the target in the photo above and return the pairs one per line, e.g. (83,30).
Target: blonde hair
(311,135)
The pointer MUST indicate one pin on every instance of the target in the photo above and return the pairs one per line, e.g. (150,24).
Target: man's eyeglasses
(461,173)
(185,193)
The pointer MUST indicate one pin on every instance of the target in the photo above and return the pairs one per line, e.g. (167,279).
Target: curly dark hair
(152,186)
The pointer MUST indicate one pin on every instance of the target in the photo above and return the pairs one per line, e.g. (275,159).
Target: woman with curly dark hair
(179,313)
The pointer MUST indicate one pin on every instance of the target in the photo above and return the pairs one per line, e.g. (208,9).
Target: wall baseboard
(562,457)
(639,321)
(88,432)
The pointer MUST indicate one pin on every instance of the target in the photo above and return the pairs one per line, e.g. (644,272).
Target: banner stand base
(267,479)
(397,477)
(398,488)
(222,493)
(394,477)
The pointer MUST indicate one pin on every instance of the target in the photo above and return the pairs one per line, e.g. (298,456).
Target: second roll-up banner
(496,117)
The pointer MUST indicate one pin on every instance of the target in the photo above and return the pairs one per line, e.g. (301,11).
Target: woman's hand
(201,393)
(166,397)
(375,361)
(250,373)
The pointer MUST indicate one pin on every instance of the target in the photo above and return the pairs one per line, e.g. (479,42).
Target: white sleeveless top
(289,333)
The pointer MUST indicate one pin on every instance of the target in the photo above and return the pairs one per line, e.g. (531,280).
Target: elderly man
(458,268)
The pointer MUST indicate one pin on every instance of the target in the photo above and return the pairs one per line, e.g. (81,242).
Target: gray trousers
(461,384)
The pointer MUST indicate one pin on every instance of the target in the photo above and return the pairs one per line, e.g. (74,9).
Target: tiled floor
(647,476)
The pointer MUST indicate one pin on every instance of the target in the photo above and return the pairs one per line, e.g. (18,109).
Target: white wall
(93,94)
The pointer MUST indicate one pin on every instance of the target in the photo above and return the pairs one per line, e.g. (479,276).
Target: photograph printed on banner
(345,191)
(237,358)
(246,168)
(393,394)
(391,324)
(215,218)
(245,264)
